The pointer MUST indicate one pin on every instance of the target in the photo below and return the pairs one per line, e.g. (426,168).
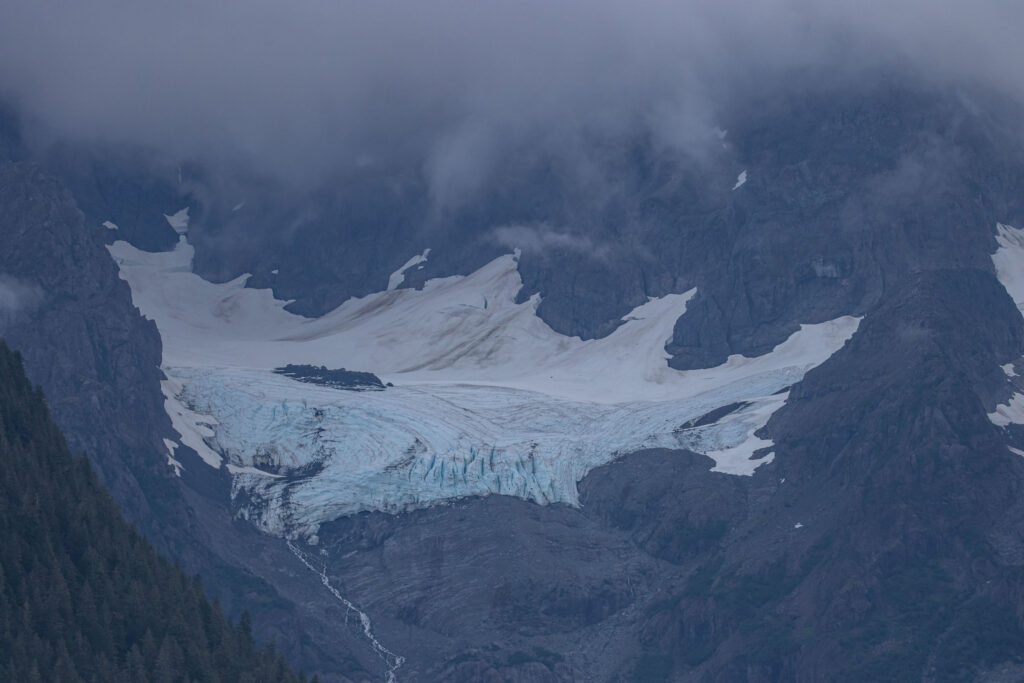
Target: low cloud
(543,241)
(299,90)
(17,296)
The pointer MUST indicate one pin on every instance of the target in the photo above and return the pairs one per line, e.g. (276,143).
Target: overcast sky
(299,87)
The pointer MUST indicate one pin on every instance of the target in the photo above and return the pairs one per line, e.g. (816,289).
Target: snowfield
(486,398)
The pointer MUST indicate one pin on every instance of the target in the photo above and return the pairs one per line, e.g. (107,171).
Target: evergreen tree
(82,596)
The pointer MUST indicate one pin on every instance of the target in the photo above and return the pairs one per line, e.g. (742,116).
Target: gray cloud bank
(300,89)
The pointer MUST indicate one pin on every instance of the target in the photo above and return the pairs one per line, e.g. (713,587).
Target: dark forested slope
(82,595)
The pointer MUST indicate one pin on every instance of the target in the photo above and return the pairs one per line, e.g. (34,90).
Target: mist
(300,90)
(544,240)
(16,297)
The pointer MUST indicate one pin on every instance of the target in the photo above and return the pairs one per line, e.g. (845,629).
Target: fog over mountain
(300,90)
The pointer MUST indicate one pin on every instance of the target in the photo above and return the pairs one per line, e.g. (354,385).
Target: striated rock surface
(81,338)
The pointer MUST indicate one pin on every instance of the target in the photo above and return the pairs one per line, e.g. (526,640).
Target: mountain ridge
(881,542)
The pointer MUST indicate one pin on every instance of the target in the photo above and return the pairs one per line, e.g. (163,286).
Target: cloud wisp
(541,240)
(17,296)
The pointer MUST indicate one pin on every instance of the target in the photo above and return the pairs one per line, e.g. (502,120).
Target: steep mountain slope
(881,541)
(82,596)
(885,551)
(881,544)
(73,325)
(82,340)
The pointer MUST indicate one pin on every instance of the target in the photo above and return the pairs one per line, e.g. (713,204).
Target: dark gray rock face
(125,187)
(12,147)
(906,497)
(337,378)
(81,338)
(848,193)
(501,589)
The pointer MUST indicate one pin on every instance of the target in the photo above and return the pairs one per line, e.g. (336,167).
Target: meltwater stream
(393,661)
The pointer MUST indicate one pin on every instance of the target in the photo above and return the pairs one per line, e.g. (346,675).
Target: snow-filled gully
(486,398)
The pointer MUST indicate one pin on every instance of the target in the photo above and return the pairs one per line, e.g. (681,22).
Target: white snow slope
(486,398)
(398,277)
(1009,262)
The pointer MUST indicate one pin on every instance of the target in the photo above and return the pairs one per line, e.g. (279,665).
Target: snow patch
(739,459)
(825,270)
(192,427)
(178,221)
(398,277)
(1009,413)
(237,207)
(109,225)
(1009,262)
(172,446)
(741,179)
